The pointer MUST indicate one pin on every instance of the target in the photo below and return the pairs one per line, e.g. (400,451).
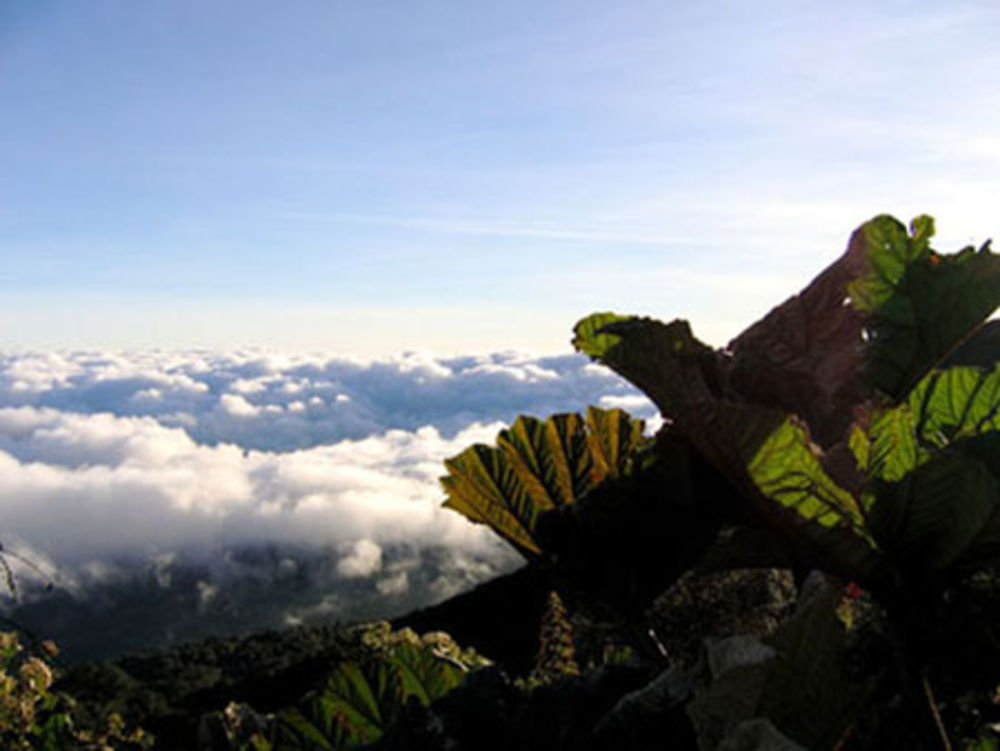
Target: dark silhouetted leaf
(806,693)
(934,514)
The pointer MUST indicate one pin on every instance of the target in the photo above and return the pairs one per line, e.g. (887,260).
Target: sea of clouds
(173,495)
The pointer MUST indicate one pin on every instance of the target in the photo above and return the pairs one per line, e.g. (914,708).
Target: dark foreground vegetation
(804,557)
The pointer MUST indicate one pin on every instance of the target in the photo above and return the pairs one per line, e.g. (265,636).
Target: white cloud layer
(117,469)
(80,487)
(280,403)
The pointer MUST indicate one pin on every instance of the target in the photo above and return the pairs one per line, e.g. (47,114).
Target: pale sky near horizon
(372,177)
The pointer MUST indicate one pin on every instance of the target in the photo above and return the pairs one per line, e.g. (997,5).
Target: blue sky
(370,177)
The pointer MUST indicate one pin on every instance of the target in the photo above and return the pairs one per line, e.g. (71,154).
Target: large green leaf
(311,728)
(806,693)
(482,484)
(538,466)
(932,516)
(353,709)
(364,702)
(613,438)
(892,450)
(919,305)
(983,551)
(956,403)
(764,452)
(810,411)
(787,483)
(786,469)
(425,675)
(665,360)
(358,704)
(930,499)
(933,470)
(874,322)
(552,459)
(982,349)
(590,336)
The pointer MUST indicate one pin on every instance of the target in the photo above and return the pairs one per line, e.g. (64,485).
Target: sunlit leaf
(892,444)
(538,466)
(663,359)
(956,403)
(919,304)
(786,469)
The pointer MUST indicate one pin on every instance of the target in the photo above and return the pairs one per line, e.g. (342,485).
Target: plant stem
(935,713)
